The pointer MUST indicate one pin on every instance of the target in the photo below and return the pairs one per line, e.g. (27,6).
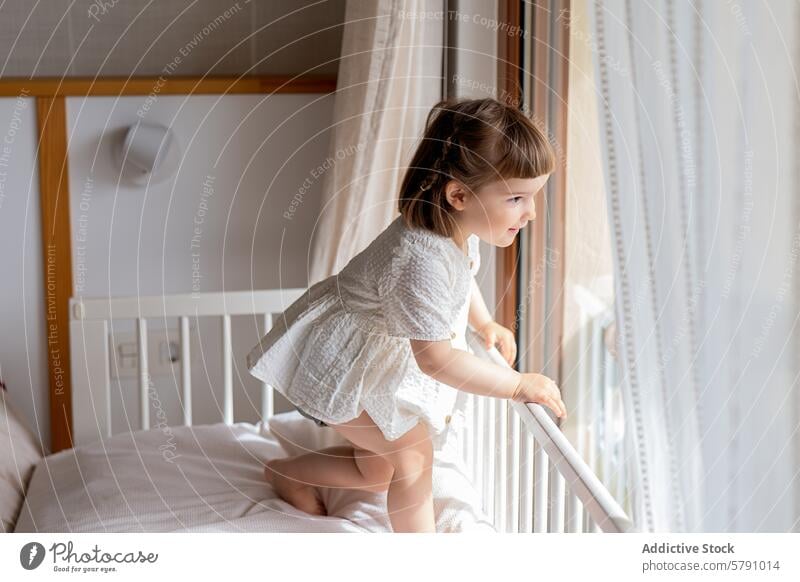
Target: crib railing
(89,334)
(599,416)
(531,479)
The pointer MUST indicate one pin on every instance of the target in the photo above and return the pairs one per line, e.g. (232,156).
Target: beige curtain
(390,75)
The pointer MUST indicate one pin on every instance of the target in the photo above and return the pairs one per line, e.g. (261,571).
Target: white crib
(529,476)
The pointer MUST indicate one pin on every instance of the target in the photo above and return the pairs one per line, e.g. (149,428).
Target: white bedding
(215,482)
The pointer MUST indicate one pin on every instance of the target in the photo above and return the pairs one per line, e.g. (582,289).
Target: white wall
(255,153)
(237,215)
(23,366)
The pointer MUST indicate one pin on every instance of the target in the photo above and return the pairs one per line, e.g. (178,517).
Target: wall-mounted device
(146,153)
(163,353)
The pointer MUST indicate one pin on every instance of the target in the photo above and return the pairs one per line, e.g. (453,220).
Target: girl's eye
(516,199)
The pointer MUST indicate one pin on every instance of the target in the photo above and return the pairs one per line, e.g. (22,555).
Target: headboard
(90,357)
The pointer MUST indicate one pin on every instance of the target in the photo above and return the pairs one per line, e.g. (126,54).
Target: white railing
(530,477)
(91,362)
(599,416)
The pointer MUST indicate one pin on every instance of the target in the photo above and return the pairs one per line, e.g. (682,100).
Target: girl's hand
(494,333)
(540,389)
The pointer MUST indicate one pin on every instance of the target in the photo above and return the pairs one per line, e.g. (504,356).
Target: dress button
(472,264)
(453,335)
(447,419)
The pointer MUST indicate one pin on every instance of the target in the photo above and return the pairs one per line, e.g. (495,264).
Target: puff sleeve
(417,292)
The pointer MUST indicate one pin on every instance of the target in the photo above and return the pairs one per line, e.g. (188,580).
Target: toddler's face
(499,210)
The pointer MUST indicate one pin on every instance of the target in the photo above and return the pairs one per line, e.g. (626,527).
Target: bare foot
(303,497)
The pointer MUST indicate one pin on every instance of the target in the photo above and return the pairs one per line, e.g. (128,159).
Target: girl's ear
(456,194)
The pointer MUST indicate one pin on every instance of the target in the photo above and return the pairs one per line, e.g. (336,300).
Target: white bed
(212,480)
(504,467)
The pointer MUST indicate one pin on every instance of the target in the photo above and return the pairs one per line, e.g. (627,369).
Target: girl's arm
(469,373)
(478,312)
(463,370)
(491,331)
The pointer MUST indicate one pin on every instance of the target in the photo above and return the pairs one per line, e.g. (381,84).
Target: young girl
(378,352)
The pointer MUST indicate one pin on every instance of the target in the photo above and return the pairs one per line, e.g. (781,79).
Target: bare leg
(409,497)
(410,501)
(296,479)
(343,467)
(297,493)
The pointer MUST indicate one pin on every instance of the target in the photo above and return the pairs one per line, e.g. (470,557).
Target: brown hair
(474,141)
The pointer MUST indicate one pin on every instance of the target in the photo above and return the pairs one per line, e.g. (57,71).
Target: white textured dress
(343,347)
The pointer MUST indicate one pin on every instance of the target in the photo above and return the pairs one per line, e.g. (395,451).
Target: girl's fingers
(512,350)
(558,407)
(559,402)
(503,347)
(550,403)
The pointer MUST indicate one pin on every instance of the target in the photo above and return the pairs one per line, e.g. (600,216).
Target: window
(565,293)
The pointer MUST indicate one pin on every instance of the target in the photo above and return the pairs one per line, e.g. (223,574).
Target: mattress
(210,479)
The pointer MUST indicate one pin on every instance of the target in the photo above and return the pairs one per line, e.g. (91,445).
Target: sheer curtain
(390,75)
(698,118)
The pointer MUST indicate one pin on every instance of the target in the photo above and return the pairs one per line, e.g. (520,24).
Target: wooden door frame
(50,95)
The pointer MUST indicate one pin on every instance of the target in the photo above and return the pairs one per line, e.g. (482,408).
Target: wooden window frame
(545,25)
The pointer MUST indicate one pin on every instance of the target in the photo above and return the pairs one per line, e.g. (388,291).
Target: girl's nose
(532,211)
